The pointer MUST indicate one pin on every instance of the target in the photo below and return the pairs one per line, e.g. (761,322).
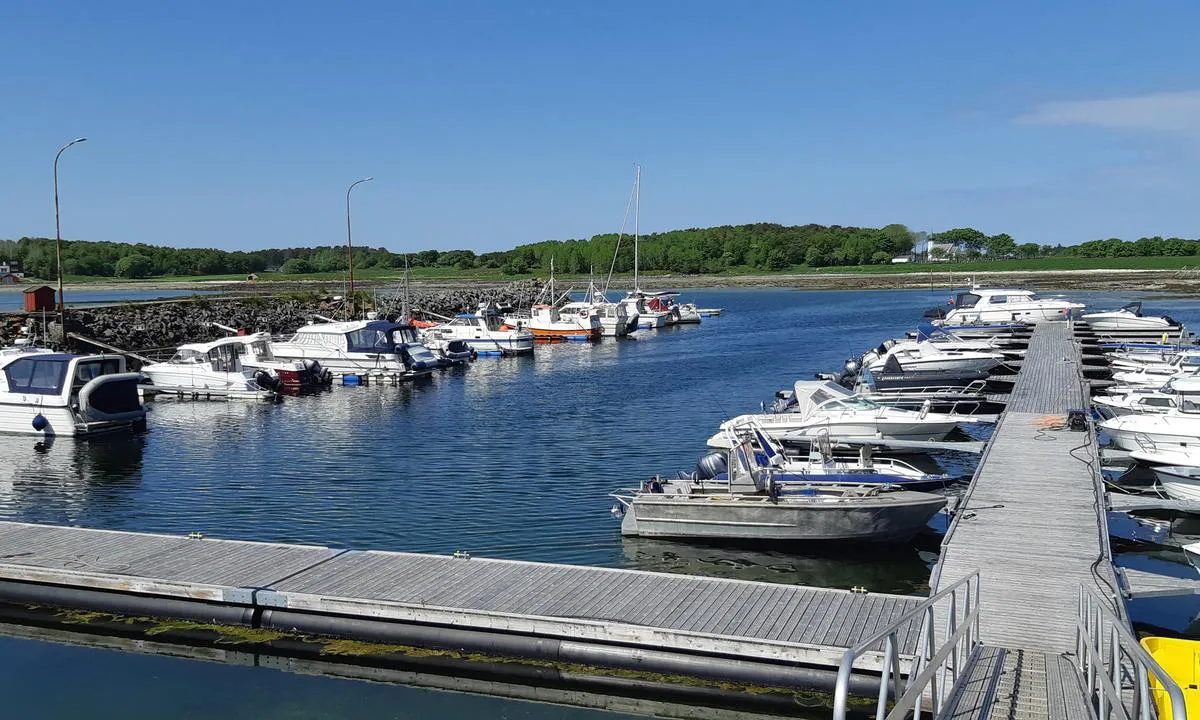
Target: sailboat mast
(637,214)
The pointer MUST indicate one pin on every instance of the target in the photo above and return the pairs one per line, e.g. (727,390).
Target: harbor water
(507,458)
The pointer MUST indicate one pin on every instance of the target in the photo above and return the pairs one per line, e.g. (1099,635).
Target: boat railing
(1116,669)
(942,655)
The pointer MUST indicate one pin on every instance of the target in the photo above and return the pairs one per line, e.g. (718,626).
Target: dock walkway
(1030,522)
(308,587)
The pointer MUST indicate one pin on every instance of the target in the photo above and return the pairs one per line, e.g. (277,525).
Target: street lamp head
(77,140)
(367,179)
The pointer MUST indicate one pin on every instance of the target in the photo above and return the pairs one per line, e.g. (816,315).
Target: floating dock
(729,630)
(1032,523)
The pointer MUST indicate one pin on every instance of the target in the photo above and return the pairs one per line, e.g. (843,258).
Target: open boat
(1179,482)
(770,509)
(49,393)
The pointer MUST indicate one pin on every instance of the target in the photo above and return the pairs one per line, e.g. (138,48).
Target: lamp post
(349,242)
(58,235)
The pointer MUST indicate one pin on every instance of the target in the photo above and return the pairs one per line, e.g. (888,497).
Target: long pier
(720,629)
(1033,524)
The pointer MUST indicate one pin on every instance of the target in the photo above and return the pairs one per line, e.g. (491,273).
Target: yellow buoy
(1181,660)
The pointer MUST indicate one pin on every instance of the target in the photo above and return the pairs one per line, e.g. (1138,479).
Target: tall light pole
(349,242)
(58,236)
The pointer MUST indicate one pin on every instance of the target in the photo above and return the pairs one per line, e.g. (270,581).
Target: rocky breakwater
(146,327)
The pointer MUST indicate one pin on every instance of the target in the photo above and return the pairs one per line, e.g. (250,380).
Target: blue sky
(488,124)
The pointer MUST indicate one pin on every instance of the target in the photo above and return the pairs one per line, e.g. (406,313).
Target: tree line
(761,246)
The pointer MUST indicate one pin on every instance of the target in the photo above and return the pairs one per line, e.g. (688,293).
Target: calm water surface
(506,458)
(12,298)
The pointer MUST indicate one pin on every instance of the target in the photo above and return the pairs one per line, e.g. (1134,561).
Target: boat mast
(637,213)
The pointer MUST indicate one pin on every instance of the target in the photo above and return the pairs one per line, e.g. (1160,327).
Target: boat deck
(1030,521)
(679,613)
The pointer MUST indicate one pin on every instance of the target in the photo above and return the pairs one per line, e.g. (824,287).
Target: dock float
(719,629)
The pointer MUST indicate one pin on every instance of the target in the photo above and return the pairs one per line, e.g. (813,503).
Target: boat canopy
(38,374)
(811,393)
(375,336)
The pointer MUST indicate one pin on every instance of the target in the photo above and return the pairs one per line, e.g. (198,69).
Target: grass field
(441,273)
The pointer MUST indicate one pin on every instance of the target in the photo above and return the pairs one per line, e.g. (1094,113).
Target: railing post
(930,651)
(888,669)
(1143,694)
(1115,642)
(952,624)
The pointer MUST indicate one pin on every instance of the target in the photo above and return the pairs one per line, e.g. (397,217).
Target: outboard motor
(319,375)
(266,380)
(711,465)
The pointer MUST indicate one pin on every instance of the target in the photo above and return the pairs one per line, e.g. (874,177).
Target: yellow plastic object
(1181,660)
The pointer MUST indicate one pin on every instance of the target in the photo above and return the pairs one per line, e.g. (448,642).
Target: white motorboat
(214,367)
(49,393)
(1129,317)
(483,332)
(913,355)
(1179,482)
(1138,401)
(948,339)
(1007,306)
(1152,374)
(689,314)
(275,374)
(361,347)
(823,405)
(1175,428)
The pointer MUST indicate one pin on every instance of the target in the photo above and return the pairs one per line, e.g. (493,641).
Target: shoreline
(1156,280)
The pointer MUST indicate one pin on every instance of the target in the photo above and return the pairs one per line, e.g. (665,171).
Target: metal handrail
(1111,659)
(938,665)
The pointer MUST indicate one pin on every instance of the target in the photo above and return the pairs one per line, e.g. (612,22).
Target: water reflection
(58,480)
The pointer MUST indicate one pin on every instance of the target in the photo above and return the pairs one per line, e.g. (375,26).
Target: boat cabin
(257,346)
(224,355)
(979,298)
(1188,390)
(362,336)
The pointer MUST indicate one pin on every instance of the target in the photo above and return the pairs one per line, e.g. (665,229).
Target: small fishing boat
(550,323)
(1129,317)
(58,394)
(1179,482)
(894,377)
(981,305)
(772,510)
(361,347)
(213,368)
(483,332)
(709,312)
(824,405)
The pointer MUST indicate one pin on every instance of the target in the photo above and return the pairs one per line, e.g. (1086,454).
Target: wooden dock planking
(1030,522)
(656,610)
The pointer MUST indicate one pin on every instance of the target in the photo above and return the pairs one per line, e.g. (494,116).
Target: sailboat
(650,313)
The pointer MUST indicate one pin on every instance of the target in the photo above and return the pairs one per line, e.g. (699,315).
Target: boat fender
(40,422)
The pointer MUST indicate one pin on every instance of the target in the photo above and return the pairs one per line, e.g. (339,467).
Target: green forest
(760,246)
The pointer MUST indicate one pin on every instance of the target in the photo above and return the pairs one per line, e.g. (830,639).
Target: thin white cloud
(1170,112)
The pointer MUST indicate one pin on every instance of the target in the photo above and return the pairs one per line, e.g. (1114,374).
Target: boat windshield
(1190,404)
(853,403)
(492,322)
(404,334)
(370,339)
(261,349)
(188,355)
(38,374)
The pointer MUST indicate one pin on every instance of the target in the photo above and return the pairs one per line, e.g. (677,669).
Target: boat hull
(1179,482)
(888,517)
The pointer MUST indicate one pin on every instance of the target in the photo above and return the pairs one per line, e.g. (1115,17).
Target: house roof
(39,287)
